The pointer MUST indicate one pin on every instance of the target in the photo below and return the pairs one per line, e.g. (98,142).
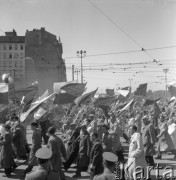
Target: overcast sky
(104,28)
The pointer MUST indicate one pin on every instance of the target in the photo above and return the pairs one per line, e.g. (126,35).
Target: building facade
(12,56)
(37,56)
(44,54)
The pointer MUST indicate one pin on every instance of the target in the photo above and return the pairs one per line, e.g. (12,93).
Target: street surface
(167,160)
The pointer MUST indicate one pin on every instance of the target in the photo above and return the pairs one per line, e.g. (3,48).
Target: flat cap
(111,157)
(34,123)
(73,124)
(43,153)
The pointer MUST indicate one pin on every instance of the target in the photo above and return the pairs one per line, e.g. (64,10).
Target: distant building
(12,55)
(44,53)
(37,56)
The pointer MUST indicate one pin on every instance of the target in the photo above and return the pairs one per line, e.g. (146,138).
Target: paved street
(167,160)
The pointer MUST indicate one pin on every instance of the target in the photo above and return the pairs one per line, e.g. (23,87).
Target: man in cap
(115,133)
(74,148)
(148,136)
(84,151)
(43,169)
(6,158)
(106,139)
(36,144)
(109,162)
(96,160)
(58,149)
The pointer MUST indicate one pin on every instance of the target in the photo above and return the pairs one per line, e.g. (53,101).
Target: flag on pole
(4,99)
(74,89)
(123,92)
(172,90)
(29,94)
(149,102)
(70,92)
(156,110)
(85,98)
(110,92)
(27,116)
(103,101)
(141,90)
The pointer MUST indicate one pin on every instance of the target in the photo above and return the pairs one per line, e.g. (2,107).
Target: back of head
(52,130)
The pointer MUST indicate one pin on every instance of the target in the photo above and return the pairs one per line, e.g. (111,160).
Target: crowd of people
(94,145)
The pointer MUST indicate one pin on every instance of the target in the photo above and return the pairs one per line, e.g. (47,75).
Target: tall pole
(73,72)
(130,83)
(81,54)
(166,71)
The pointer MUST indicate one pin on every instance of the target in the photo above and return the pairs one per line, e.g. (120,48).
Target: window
(4,46)
(5,56)
(10,47)
(16,46)
(16,56)
(10,55)
(21,46)
(21,55)
(4,63)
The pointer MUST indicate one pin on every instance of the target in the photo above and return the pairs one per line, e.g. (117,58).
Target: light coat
(136,156)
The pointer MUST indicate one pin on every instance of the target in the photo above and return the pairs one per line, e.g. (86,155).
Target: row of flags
(67,93)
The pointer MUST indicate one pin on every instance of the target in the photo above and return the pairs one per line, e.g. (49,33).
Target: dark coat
(84,145)
(6,151)
(148,136)
(107,142)
(36,144)
(96,158)
(57,147)
(73,142)
(19,143)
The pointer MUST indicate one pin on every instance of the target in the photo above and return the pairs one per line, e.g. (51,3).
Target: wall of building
(46,52)
(12,56)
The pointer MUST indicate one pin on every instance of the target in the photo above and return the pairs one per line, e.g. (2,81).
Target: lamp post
(30,70)
(166,71)
(81,54)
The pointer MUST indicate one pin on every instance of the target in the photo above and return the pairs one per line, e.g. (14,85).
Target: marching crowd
(94,145)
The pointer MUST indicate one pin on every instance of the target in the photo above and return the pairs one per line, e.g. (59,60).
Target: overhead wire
(122,30)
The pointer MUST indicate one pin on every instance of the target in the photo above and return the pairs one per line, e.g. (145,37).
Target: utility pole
(77,72)
(130,80)
(166,71)
(81,54)
(73,67)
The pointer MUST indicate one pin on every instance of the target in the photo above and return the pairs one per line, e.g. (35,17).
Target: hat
(105,126)
(73,124)
(111,157)
(91,115)
(145,117)
(43,153)
(34,123)
(88,120)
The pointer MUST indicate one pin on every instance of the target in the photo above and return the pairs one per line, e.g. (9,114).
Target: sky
(112,32)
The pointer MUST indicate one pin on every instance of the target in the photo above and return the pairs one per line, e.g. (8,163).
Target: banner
(4,99)
(141,90)
(85,98)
